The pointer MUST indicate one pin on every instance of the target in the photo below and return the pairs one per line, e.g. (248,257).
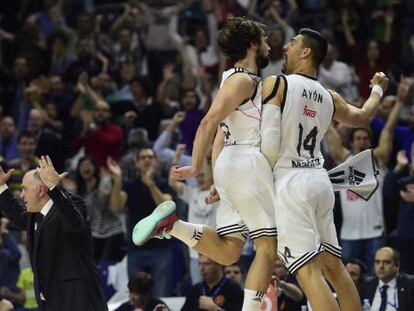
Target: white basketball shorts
(304,215)
(244,180)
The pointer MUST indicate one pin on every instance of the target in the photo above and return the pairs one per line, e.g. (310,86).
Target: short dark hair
(184,92)
(145,83)
(25,134)
(145,147)
(313,39)
(364,129)
(141,283)
(359,263)
(137,138)
(237,264)
(237,35)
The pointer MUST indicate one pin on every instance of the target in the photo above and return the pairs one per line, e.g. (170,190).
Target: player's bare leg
(315,287)
(340,279)
(225,250)
(260,273)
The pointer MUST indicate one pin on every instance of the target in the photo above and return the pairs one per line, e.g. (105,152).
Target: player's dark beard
(262,61)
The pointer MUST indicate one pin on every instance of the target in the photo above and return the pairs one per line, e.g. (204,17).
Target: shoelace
(163,235)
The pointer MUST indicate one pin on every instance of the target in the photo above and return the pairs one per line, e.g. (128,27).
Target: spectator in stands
(408,60)
(235,273)
(140,287)
(8,139)
(86,60)
(102,196)
(101,137)
(134,19)
(143,110)
(15,87)
(376,57)
(137,139)
(127,49)
(397,190)
(290,295)
(9,265)
(404,135)
(356,269)
(144,193)
(389,289)
(215,292)
(48,140)
(337,76)
(193,116)
(59,59)
(165,145)
(200,48)
(103,84)
(61,96)
(25,284)
(26,143)
(363,228)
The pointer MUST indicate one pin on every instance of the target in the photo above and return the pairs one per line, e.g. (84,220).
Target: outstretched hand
(181,173)
(113,167)
(4,177)
(47,172)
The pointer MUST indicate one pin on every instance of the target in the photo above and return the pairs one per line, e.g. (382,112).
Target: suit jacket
(60,251)
(405,288)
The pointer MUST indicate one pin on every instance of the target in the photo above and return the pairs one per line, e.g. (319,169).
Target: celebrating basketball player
(298,110)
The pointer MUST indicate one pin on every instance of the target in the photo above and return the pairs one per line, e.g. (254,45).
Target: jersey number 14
(310,140)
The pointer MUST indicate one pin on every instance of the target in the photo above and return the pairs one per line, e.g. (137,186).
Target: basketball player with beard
(242,175)
(298,110)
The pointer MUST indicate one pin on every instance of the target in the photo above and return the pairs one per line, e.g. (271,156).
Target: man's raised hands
(47,172)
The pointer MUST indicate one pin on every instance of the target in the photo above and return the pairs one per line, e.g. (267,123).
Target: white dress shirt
(45,209)
(392,296)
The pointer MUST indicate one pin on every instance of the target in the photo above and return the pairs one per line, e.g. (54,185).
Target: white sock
(252,300)
(187,232)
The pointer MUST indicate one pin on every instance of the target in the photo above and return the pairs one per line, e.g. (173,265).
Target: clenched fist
(380,79)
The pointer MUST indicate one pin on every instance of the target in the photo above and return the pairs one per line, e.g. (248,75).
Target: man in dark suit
(390,289)
(59,240)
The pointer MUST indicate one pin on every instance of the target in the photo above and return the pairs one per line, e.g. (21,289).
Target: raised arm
(177,186)
(336,150)
(148,179)
(118,197)
(386,140)
(208,7)
(9,205)
(234,91)
(389,21)
(354,117)
(345,26)
(162,144)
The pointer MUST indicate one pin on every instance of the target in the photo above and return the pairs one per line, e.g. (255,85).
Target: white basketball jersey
(307,111)
(242,126)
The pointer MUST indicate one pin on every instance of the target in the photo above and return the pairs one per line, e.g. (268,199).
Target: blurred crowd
(114,92)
